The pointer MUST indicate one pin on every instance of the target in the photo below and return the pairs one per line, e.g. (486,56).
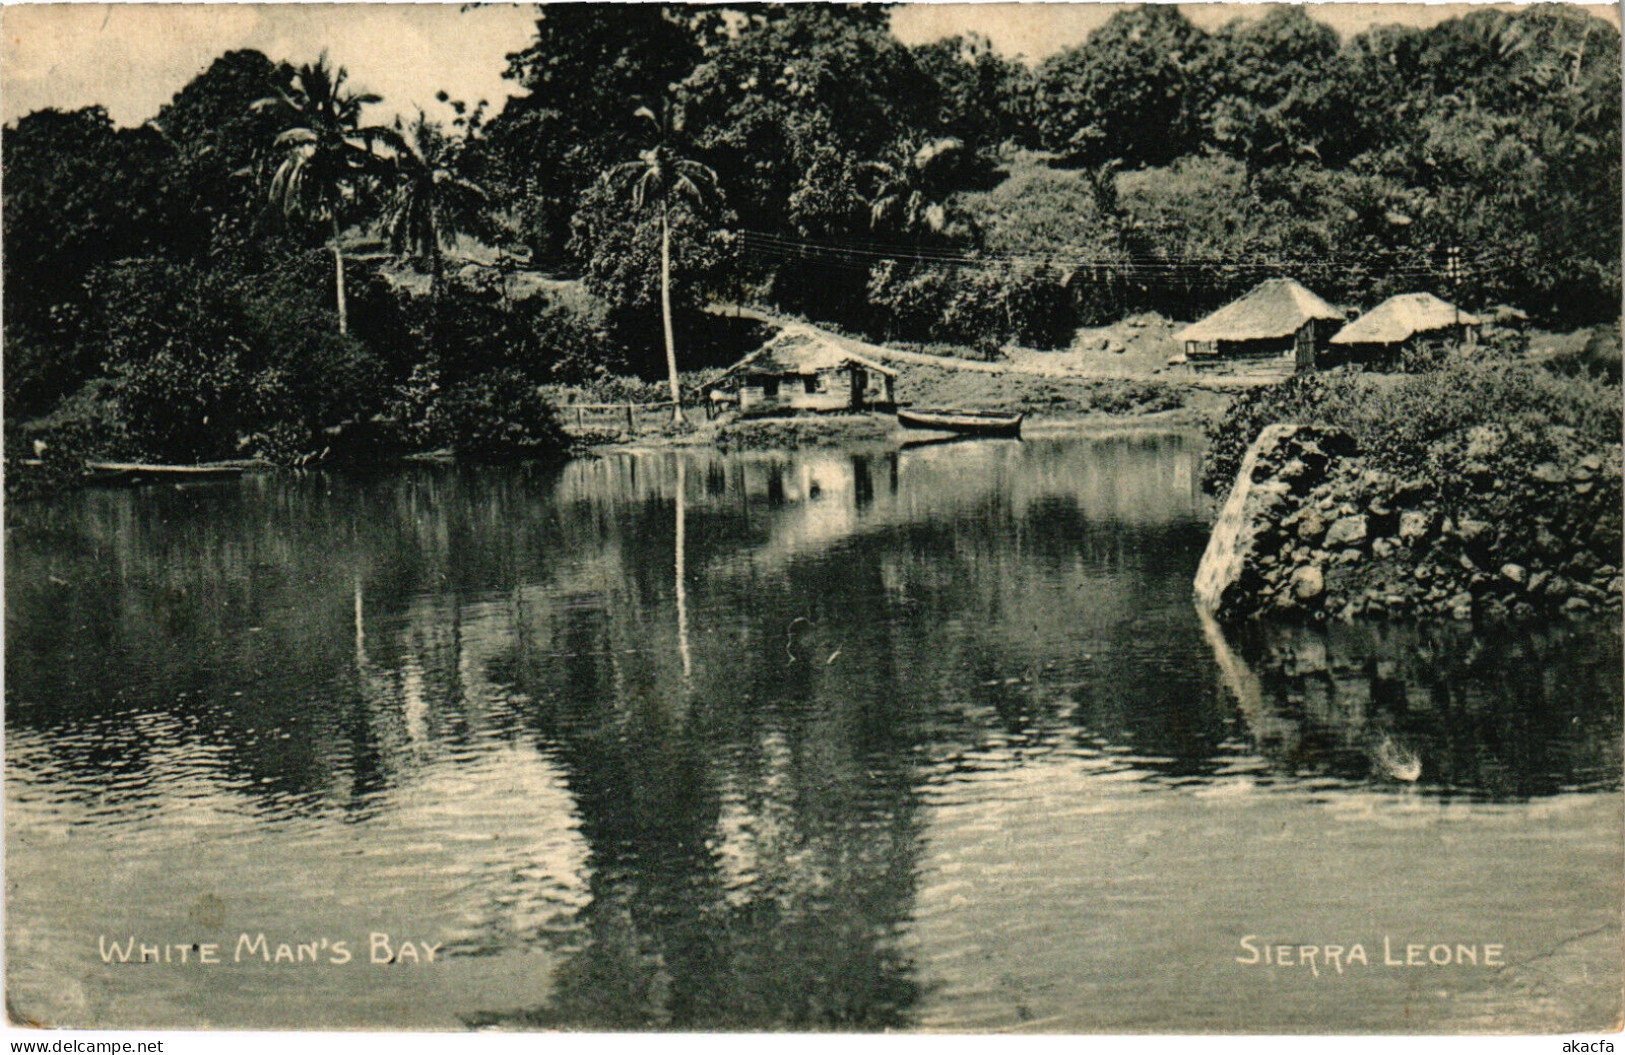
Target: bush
(1134,397)
(1396,420)
(185,404)
(472,328)
(208,363)
(1297,399)
(87,426)
(983,307)
(499,414)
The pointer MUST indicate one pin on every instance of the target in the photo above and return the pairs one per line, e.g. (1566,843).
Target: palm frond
(468,187)
(389,137)
(295,136)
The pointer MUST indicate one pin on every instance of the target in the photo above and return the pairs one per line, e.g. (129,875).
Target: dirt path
(1069,365)
(881,352)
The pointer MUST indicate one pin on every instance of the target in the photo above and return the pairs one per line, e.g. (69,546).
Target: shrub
(1395,421)
(1297,399)
(208,363)
(183,403)
(1134,397)
(87,426)
(499,414)
(472,328)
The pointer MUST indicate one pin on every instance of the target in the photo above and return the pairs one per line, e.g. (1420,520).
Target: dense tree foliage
(982,97)
(786,110)
(79,194)
(588,70)
(1131,91)
(222,149)
(1265,83)
(941,192)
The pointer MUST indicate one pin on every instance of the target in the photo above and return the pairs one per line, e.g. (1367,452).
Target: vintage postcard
(1047,518)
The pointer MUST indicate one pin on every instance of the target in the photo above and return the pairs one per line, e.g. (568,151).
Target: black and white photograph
(925,519)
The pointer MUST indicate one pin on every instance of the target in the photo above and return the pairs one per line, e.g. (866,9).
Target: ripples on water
(918,739)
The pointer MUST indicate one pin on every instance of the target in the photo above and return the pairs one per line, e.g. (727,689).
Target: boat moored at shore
(966,422)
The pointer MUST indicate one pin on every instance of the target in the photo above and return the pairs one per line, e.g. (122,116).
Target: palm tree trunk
(665,315)
(502,271)
(338,280)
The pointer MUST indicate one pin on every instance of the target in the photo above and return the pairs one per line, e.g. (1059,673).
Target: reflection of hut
(1409,320)
(802,369)
(1276,317)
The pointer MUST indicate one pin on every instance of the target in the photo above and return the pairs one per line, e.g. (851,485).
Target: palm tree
(909,187)
(328,155)
(431,204)
(660,175)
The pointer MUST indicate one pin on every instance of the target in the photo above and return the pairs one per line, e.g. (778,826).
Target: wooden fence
(578,412)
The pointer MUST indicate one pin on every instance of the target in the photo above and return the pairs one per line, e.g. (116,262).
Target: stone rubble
(1311,531)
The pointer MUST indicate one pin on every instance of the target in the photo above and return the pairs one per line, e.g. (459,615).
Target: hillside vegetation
(216,282)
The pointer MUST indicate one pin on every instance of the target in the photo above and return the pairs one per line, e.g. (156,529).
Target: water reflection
(1500,715)
(683,740)
(680,574)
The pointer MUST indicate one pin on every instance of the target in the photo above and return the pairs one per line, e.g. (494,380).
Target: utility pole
(1452,271)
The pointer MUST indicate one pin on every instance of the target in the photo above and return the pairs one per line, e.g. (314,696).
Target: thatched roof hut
(1272,310)
(801,350)
(797,367)
(1275,317)
(1398,319)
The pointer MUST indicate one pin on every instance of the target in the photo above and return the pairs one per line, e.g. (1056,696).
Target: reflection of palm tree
(661,175)
(682,575)
(360,627)
(749,867)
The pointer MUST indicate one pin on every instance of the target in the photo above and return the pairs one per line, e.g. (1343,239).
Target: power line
(1166,269)
(1161,270)
(1061,261)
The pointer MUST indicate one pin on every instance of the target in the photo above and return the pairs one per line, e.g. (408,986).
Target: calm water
(921,739)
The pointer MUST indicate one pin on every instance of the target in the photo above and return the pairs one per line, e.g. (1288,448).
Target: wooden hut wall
(1274,347)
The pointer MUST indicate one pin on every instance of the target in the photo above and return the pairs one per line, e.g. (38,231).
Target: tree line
(203,285)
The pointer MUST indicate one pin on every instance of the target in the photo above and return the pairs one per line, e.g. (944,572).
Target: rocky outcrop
(1312,530)
(1279,470)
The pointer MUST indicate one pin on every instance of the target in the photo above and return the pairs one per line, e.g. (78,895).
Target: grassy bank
(1053,404)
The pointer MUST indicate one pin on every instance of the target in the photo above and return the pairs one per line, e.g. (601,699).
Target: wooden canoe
(965,422)
(133,471)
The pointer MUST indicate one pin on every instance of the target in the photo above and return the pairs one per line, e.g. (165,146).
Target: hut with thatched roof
(803,369)
(1275,318)
(1405,321)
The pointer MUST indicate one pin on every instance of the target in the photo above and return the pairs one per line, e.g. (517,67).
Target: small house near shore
(1275,318)
(1405,321)
(802,369)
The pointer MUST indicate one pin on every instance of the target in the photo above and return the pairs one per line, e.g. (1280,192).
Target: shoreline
(790,432)
(809,431)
